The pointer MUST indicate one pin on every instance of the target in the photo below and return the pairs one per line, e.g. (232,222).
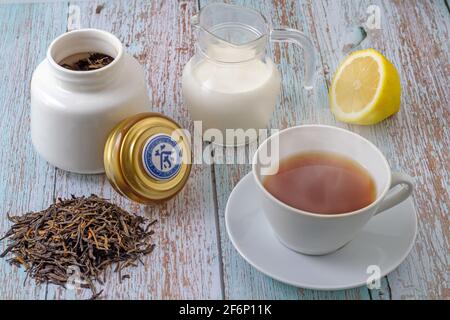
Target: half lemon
(365,89)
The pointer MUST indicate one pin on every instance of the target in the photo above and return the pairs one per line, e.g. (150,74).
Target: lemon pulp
(366,88)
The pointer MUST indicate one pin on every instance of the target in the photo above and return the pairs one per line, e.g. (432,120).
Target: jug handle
(297,37)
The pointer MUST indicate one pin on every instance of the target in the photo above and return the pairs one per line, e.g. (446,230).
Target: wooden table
(194,258)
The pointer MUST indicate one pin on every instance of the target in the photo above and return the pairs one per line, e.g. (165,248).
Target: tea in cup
(319,185)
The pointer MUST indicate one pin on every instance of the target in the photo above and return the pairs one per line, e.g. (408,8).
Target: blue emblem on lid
(162,157)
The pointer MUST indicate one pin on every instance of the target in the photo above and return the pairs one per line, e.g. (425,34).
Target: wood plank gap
(56,169)
(377,294)
(46,292)
(389,287)
(67,19)
(54,184)
(447,5)
(217,224)
(216,214)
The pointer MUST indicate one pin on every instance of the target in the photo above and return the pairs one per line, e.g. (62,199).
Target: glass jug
(230,83)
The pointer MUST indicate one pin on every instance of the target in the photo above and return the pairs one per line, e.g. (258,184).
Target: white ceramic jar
(73,112)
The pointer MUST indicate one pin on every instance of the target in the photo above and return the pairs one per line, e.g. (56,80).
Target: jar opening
(84,41)
(86,61)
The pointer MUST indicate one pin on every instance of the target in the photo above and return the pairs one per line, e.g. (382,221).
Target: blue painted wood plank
(184,264)
(415,38)
(294,107)
(26,181)
(416,140)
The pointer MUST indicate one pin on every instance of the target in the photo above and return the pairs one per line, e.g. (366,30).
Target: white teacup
(319,234)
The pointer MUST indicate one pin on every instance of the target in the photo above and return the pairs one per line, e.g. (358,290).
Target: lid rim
(123,158)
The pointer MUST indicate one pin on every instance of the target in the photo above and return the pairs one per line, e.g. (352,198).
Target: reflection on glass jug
(230,83)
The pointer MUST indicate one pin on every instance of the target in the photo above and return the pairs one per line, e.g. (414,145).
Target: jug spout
(232,24)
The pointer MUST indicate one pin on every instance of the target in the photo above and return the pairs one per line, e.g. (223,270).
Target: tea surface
(322,182)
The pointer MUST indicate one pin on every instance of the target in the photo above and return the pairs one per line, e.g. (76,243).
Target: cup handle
(394,197)
(298,38)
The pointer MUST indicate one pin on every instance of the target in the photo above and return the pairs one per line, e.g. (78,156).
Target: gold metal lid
(147,158)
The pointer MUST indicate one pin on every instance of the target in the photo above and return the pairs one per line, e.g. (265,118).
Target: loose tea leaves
(73,241)
(87,61)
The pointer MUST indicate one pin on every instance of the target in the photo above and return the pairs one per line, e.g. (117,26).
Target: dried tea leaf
(80,236)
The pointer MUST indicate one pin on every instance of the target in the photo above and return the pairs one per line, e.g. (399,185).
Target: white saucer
(385,241)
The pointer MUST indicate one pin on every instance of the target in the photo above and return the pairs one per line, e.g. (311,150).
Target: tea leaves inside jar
(86,61)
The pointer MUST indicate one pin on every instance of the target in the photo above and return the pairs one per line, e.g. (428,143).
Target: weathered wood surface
(415,37)
(26,181)
(185,263)
(194,258)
